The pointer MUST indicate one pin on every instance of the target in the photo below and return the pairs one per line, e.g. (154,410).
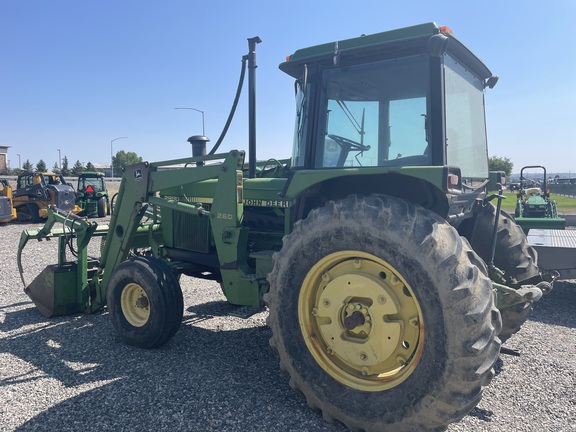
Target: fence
(563,189)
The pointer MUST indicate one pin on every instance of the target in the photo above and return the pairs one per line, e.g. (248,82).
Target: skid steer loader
(35,191)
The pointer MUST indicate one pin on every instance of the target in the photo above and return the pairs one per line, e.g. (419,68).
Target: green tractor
(93,195)
(534,208)
(389,274)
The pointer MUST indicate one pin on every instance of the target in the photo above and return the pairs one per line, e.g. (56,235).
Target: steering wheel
(348,144)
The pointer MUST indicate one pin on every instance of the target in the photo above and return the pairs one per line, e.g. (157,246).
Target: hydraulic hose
(233,110)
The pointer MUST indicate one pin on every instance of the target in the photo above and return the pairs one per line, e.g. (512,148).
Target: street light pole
(18,161)
(112,156)
(201,112)
(59,161)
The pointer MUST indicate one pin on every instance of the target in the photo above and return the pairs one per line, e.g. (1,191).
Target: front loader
(389,274)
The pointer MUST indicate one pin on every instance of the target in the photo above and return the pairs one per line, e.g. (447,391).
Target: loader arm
(140,187)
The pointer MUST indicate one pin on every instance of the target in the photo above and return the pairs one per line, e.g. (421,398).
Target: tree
(41,166)
(496,163)
(56,168)
(65,170)
(123,159)
(27,166)
(78,168)
(90,167)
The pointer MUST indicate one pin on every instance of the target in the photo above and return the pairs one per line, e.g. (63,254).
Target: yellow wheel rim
(361,321)
(135,305)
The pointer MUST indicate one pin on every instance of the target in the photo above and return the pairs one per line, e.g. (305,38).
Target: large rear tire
(383,315)
(145,302)
(102,207)
(513,255)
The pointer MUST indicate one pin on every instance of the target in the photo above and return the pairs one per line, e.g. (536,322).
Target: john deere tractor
(92,194)
(390,276)
(534,208)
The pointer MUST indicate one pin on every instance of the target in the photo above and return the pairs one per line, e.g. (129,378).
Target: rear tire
(102,207)
(513,255)
(383,316)
(145,302)
(513,318)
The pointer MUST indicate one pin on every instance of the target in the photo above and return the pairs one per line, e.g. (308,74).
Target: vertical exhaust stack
(252,105)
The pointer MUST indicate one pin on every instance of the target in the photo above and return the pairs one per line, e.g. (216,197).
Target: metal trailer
(556,250)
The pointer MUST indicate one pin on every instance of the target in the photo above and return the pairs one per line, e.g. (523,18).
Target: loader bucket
(54,291)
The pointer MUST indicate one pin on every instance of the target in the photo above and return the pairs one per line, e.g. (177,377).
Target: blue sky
(75,74)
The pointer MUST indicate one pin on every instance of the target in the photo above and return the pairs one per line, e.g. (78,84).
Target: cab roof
(392,41)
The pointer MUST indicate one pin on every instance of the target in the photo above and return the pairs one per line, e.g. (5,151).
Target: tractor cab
(412,97)
(91,183)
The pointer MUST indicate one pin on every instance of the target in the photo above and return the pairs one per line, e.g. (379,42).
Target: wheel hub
(135,305)
(355,319)
(360,320)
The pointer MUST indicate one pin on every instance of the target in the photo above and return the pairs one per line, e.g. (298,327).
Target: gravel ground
(219,374)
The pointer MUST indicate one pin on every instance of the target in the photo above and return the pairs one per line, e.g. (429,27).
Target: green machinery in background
(390,276)
(92,193)
(534,208)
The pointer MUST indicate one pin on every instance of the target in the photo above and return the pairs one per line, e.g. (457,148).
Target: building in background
(4,159)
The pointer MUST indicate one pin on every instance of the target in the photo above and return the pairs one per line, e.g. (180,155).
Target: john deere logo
(137,175)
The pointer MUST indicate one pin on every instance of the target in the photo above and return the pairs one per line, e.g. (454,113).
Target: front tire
(383,315)
(145,302)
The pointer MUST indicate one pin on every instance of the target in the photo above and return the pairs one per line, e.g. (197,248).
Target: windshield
(96,183)
(466,145)
(375,115)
